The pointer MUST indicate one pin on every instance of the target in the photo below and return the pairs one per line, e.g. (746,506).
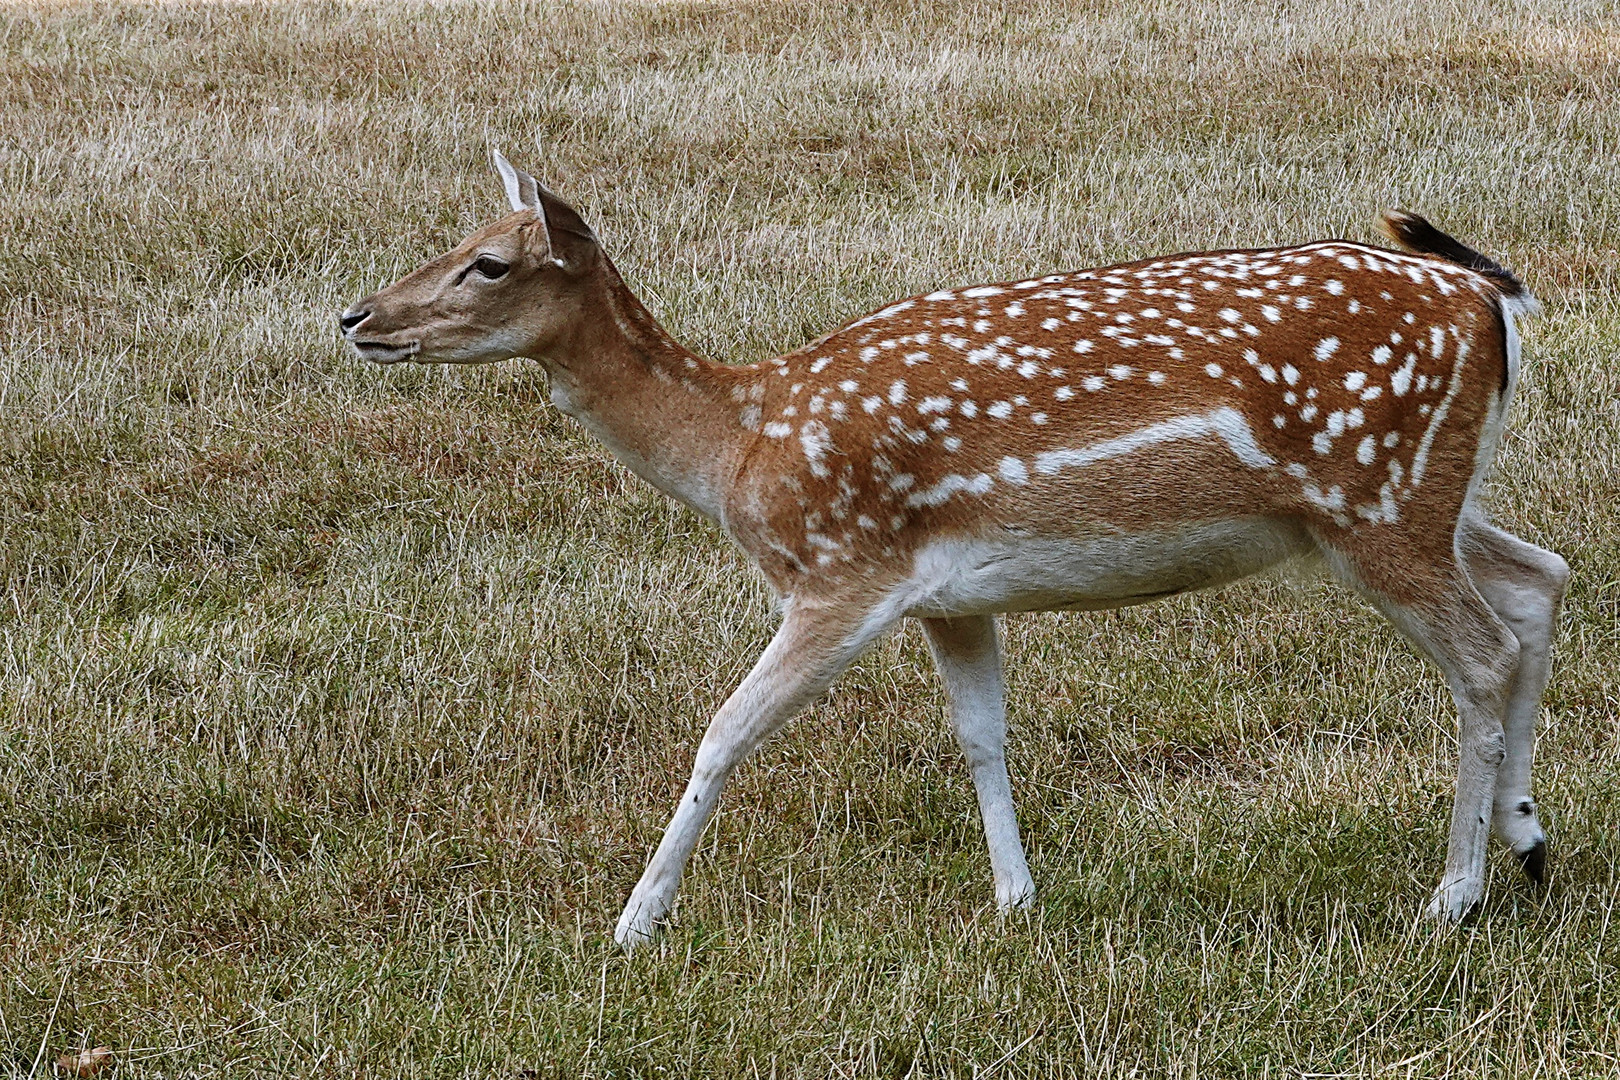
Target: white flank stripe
(1420,460)
(1226,423)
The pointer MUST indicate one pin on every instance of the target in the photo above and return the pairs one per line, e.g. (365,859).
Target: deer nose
(351,319)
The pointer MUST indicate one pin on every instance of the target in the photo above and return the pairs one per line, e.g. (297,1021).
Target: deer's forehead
(509,234)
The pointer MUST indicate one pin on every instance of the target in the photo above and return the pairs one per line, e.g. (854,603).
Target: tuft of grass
(340,707)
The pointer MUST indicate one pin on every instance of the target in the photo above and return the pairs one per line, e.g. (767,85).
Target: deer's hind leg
(1524,585)
(1429,595)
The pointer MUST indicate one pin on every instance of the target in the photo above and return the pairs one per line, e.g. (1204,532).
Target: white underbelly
(983,575)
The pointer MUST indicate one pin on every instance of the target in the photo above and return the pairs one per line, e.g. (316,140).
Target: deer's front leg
(967,652)
(813,646)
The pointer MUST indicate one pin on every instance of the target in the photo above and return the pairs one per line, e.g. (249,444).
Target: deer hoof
(1452,904)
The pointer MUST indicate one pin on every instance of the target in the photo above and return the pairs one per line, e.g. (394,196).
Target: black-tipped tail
(1414,233)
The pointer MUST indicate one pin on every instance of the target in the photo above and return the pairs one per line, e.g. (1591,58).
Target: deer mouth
(380,352)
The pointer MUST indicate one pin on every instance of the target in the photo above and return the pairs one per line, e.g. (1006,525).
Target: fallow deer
(1078,441)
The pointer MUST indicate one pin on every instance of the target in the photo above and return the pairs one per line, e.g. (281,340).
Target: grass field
(340,707)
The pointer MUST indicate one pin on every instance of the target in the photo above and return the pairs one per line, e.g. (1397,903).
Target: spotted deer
(1075,441)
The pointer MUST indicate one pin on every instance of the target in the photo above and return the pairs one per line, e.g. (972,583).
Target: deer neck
(660,409)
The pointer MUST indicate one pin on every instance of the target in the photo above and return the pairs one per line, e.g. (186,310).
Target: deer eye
(491,267)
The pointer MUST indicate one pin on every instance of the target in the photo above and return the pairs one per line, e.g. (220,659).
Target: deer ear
(521,190)
(570,239)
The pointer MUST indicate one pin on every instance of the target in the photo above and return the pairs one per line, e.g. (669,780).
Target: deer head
(513,288)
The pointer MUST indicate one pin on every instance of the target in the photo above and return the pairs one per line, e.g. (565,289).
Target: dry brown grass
(339,708)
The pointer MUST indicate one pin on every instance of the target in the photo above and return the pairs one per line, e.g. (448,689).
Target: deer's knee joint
(1490,747)
(981,752)
(1557,570)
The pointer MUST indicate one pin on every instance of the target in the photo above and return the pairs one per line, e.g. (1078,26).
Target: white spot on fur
(1400,380)
(950,485)
(1331,500)
(1326,348)
(816,441)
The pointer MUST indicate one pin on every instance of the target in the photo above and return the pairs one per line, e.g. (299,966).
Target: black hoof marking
(1470,916)
(1534,862)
